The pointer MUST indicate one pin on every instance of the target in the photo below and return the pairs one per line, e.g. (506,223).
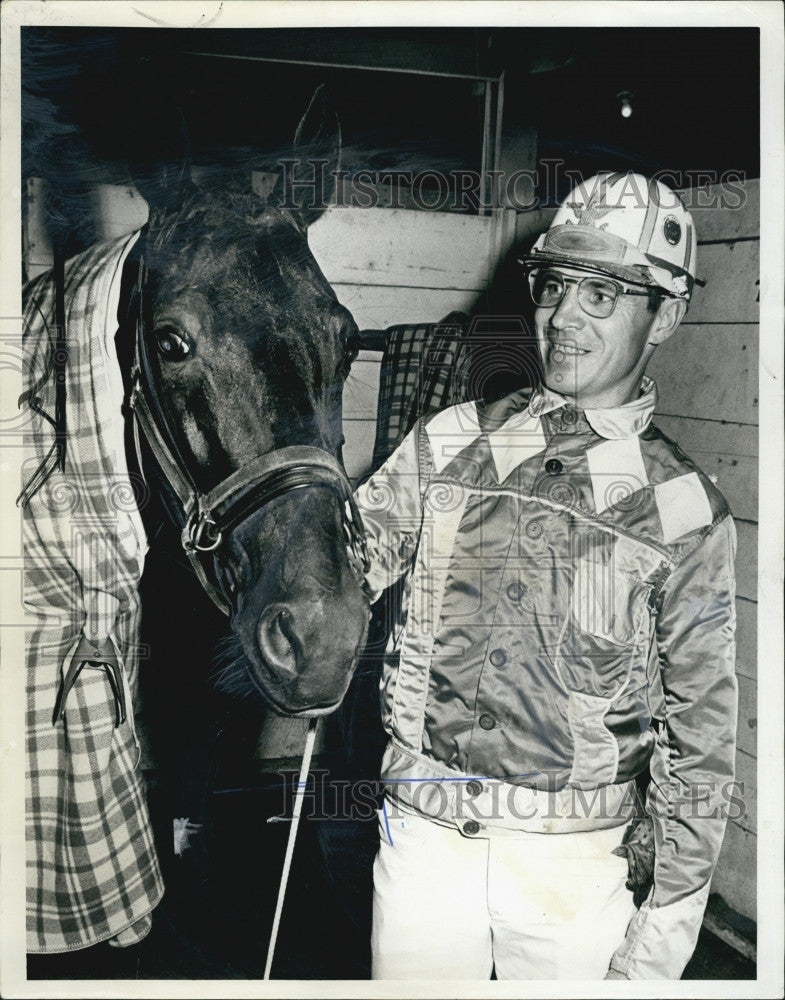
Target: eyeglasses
(597,296)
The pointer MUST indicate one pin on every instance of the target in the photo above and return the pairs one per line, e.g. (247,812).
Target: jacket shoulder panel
(687,501)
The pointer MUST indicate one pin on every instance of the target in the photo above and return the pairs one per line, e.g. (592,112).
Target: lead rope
(287,862)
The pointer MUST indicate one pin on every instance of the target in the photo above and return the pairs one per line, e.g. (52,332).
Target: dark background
(695,94)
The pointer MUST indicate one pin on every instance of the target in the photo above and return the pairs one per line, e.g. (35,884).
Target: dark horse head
(245,349)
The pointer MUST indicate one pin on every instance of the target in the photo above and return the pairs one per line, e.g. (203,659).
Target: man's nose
(568,312)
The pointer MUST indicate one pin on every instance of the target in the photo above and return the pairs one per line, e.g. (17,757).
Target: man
(569,624)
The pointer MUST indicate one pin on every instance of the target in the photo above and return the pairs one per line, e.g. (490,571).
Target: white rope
(287,863)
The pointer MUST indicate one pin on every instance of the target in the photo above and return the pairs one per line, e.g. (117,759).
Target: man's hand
(638,848)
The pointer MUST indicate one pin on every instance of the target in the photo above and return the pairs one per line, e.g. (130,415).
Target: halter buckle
(199,533)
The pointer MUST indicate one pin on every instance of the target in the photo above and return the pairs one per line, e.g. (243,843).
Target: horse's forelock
(221,215)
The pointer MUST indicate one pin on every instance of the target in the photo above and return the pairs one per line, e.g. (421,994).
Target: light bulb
(626,107)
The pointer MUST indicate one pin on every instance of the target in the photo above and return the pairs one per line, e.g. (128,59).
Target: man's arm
(693,761)
(391,506)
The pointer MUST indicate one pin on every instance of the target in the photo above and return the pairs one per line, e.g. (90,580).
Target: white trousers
(530,905)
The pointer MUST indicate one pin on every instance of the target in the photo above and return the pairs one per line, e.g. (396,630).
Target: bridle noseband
(209,518)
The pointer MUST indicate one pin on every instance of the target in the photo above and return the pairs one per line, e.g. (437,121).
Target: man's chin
(560,381)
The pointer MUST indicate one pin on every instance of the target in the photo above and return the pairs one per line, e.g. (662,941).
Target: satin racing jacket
(569,619)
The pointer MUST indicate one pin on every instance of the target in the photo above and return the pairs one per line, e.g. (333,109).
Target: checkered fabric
(92,870)
(424,368)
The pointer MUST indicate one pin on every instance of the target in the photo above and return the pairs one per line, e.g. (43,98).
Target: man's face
(598,362)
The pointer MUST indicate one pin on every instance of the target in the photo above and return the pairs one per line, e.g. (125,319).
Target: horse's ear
(159,157)
(310,176)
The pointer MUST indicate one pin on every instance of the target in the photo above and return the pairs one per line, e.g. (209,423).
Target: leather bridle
(208,519)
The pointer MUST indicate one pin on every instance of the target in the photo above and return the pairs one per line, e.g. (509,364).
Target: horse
(230,357)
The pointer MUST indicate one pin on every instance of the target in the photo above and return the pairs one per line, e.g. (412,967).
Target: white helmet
(627,226)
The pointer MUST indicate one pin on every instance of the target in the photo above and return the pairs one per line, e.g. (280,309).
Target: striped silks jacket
(570,620)
(92,871)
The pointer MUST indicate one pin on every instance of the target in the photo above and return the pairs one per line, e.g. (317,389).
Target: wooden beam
(387,55)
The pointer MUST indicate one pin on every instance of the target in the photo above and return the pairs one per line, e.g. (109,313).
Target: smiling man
(570,627)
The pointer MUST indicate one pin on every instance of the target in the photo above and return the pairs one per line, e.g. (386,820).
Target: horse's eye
(171,344)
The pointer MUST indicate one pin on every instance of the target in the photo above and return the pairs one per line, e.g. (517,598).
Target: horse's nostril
(277,639)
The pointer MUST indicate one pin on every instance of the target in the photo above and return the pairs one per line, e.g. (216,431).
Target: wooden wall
(707,375)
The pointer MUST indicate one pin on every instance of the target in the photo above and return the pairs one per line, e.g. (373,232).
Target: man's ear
(669,315)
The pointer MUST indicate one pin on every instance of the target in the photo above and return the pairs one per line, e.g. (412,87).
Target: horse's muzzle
(307,653)
(301,613)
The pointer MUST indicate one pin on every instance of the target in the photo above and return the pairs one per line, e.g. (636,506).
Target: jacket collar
(612,423)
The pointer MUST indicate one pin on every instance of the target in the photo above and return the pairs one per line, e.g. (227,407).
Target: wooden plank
(360,403)
(731,272)
(359,437)
(747,639)
(745,797)
(709,371)
(361,391)
(725,211)
(375,307)
(723,922)
(735,878)
(747,729)
(397,247)
(728,452)
(747,560)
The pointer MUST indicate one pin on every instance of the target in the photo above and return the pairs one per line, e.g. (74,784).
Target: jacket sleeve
(692,767)
(391,506)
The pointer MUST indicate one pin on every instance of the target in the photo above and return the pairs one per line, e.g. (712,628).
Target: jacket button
(498,657)
(553,467)
(515,591)
(487,721)
(569,416)
(473,788)
(471,827)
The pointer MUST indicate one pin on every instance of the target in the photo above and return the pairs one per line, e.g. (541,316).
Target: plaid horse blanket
(425,367)
(92,870)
